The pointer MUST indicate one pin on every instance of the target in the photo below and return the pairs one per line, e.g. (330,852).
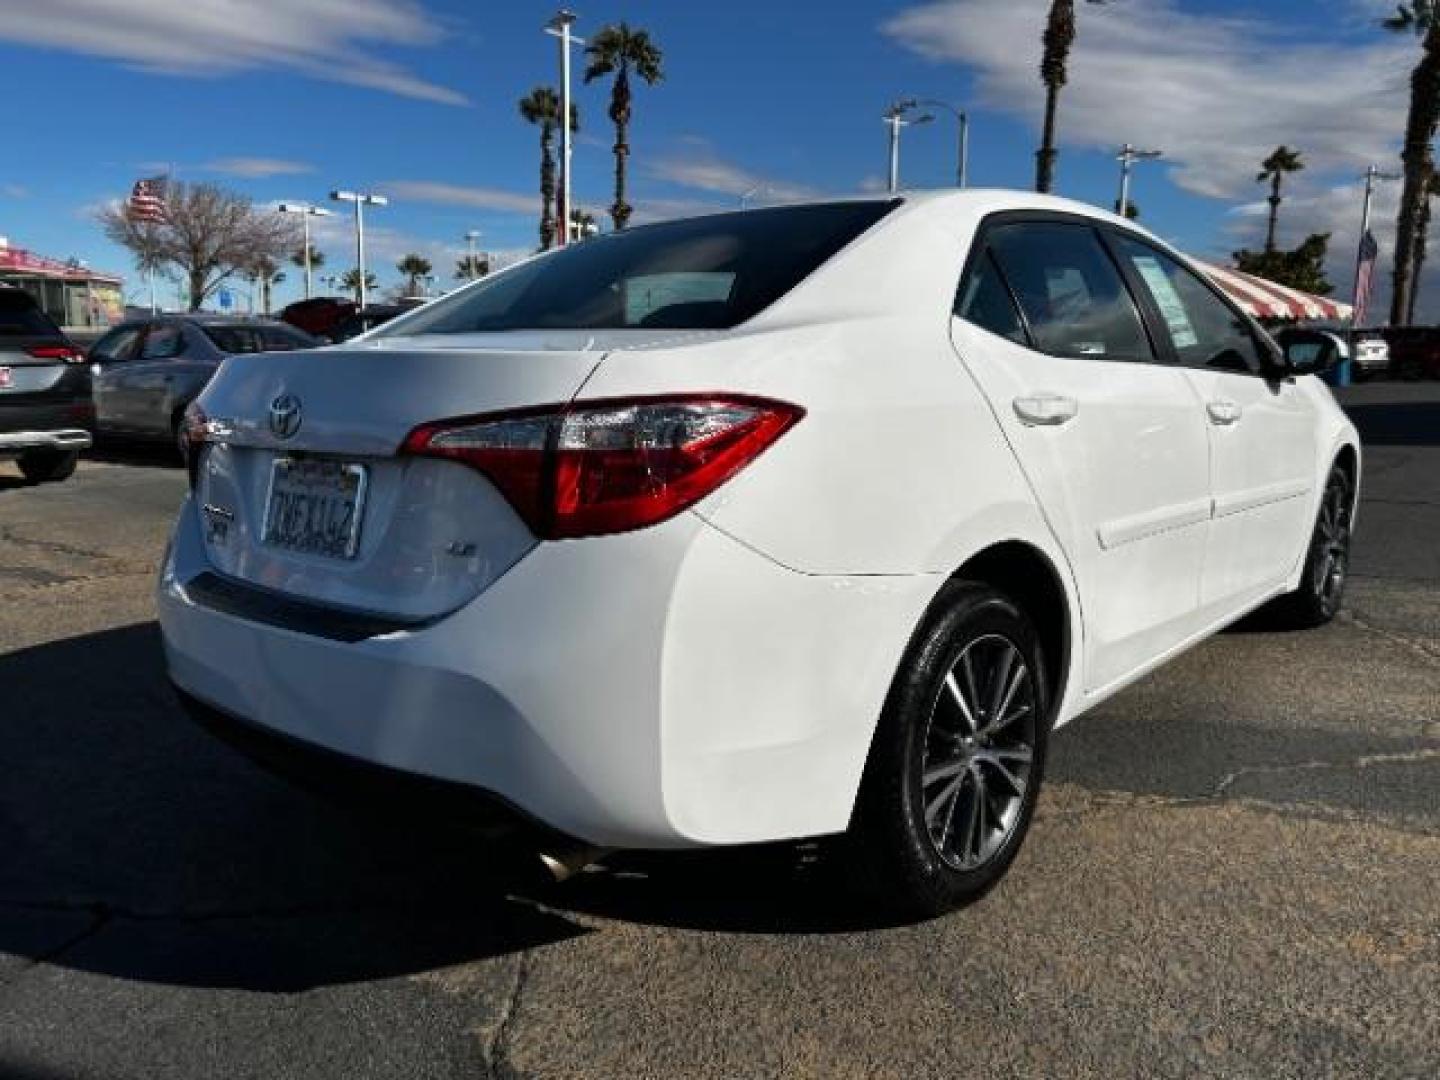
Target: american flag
(147,200)
(1365,275)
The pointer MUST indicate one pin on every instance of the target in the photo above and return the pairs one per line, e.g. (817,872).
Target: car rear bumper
(663,688)
(19,442)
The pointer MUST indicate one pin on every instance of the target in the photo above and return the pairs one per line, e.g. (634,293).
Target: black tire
(892,852)
(1327,559)
(45,466)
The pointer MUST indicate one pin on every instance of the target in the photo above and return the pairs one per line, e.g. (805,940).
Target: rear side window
(701,273)
(1072,294)
(20,316)
(985,301)
(1205,331)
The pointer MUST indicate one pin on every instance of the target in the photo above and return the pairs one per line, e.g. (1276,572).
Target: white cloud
(481,198)
(256,167)
(701,169)
(325,39)
(1216,93)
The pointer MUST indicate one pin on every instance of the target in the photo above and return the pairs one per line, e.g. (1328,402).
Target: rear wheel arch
(1028,576)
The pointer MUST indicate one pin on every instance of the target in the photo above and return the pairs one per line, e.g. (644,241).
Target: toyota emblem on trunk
(285,416)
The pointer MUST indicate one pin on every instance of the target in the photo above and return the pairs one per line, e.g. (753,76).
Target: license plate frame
(300,481)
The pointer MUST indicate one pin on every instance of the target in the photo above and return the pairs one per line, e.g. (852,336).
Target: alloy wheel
(1332,539)
(979,751)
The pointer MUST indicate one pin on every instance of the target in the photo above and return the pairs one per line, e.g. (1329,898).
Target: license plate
(7,380)
(314,507)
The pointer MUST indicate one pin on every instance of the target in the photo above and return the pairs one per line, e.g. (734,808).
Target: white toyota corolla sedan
(784,523)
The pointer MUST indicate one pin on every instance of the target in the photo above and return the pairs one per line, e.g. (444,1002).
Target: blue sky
(285,99)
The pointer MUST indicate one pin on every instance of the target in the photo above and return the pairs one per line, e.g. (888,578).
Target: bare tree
(209,233)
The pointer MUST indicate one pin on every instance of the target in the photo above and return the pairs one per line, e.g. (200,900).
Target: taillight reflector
(598,467)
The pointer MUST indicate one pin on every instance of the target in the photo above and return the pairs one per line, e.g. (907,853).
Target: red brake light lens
(68,353)
(598,467)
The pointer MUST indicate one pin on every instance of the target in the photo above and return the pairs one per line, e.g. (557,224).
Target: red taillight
(68,353)
(599,467)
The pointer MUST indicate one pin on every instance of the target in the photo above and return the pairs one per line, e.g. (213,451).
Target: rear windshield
(707,273)
(20,316)
(253,339)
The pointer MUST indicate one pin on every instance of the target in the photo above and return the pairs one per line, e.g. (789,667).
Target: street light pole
(470,238)
(962,119)
(360,199)
(894,117)
(306,212)
(559,27)
(1127,157)
(1372,174)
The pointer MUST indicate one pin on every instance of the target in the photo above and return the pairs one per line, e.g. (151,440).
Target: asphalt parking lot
(1236,870)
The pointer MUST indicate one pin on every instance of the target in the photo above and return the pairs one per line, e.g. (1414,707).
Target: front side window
(1205,331)
(1073,296)
(115,346)
(707,273)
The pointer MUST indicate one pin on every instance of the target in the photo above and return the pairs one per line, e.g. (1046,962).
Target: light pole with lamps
(361,200)
(559,27)
(962,118)
(894,117)
(1127,157)
(307,212)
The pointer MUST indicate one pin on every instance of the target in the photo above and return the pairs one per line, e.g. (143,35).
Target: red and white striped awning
(1265,299)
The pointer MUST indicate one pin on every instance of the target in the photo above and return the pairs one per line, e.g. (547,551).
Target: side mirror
(1309,352)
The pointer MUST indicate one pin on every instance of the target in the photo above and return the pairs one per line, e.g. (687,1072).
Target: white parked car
(1372,355)
(784,523)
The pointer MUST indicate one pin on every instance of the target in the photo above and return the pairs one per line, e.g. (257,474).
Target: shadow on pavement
(181,863)
(1397,423)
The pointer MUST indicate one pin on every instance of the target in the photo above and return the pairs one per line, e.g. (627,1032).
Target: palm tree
(1058,38)
(582,223)
(1422,235)
(351,280)
(266,274)
(1420,17)
(622,49)
(470,267)
(317,257)
(1273,171)
(414,267)
(542,106)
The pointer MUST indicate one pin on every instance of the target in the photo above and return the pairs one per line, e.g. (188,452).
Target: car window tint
(162,343)
(20,316)
(115,346)
(278,339)
(985,300)
(1205,331)
(1071,291)
(710,272)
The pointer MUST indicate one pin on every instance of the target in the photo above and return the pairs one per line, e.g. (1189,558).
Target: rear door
(1112,440)
(147,379)
(1262,430)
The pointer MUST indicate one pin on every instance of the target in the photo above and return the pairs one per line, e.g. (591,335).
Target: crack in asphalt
(1364,761)
(1421,648)
(498,1057)
(8,535)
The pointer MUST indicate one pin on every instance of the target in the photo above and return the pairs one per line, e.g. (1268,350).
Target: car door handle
(1223,412)
(1046,410)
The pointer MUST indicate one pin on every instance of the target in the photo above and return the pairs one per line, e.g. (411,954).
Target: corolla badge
(285,416)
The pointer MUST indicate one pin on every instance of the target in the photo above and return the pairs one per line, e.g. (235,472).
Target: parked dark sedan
(148,370)
(44,391)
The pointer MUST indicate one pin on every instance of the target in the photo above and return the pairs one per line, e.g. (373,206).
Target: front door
(1112,440)
(1262,433)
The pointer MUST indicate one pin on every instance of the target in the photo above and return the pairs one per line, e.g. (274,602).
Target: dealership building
(70,293)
